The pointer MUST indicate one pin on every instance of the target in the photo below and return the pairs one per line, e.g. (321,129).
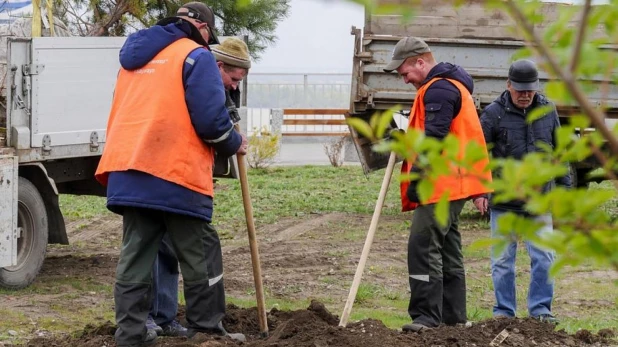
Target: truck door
(72,85)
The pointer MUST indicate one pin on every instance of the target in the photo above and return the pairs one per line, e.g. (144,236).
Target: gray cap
(523,75)
(406,48)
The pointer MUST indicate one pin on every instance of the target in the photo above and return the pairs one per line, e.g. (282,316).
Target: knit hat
(233,51)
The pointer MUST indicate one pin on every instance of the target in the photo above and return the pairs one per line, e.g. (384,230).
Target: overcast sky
(315,37)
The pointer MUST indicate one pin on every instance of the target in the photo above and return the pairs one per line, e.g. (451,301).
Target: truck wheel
(32,243)
(578,177)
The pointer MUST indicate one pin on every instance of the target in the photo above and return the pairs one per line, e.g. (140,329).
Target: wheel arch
(36,173)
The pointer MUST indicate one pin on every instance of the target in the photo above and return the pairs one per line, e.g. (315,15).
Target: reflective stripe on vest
(466,126)
(150,129)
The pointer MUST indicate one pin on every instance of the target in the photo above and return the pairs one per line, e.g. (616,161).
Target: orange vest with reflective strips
(466,126)
(149,127)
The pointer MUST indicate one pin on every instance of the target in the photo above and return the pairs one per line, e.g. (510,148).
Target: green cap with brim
(406,48)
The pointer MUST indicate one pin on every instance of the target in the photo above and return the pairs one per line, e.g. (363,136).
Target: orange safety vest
(149,128)
(466,126)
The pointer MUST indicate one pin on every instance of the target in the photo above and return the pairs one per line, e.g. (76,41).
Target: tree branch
(73,18)
(596,118)
(119,10)
(580,36)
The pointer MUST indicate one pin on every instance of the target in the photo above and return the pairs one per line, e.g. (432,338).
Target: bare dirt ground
(309,257)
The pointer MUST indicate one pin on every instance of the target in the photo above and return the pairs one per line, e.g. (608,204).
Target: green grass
(299,191)
(366,292)
(10,318)
(82,207)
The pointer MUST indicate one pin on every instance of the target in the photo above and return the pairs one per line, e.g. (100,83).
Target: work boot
(414,327)
(219,331)
(234,336)
(547,318)
(151,325)
(174,329)
(149,340)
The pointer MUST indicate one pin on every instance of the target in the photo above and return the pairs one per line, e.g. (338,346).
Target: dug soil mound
(316,327)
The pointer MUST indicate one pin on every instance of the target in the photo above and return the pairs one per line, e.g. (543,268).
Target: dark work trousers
(198,249)
(435,265)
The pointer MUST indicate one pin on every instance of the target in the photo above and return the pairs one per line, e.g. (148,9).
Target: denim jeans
(541,290)
(164,284)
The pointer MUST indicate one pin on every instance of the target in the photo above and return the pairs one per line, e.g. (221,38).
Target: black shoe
(151,325)
(174,329)
(219,331)
(149,340)
(414,327)
(547,318)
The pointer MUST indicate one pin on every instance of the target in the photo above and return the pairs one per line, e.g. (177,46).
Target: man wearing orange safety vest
(443,105)
(168,118)
(234,61)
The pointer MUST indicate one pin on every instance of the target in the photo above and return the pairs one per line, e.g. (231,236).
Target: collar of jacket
(192,32)
(537,101)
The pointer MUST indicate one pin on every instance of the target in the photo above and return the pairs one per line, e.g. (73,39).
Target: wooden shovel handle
(368,241)
(253,246)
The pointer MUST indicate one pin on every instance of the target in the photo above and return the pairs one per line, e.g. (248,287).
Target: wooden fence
(311,122)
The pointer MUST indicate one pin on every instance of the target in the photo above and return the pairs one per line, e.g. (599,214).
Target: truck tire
(578,177)
(32,243)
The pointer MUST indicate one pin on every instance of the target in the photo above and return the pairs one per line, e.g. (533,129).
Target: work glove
(412,192)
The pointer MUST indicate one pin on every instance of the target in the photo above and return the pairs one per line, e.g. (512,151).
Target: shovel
(369,240)
(253,246)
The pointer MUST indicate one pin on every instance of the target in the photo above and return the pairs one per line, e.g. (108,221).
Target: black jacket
(505,127)
(442,99)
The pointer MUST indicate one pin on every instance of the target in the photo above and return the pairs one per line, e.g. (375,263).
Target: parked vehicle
(58,97)
(52,134)
(476,38)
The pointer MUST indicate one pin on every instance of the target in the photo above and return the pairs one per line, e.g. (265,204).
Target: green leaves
(243,3)
(584,226)
(361,127)
(431,158)
(442,209)
(374,130)
(557,91)
(425,189)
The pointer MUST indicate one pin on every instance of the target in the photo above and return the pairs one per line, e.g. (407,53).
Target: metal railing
(298,90)
(303,122)
(270,93)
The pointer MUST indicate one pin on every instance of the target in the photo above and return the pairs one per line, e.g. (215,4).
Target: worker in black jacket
(512,136)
